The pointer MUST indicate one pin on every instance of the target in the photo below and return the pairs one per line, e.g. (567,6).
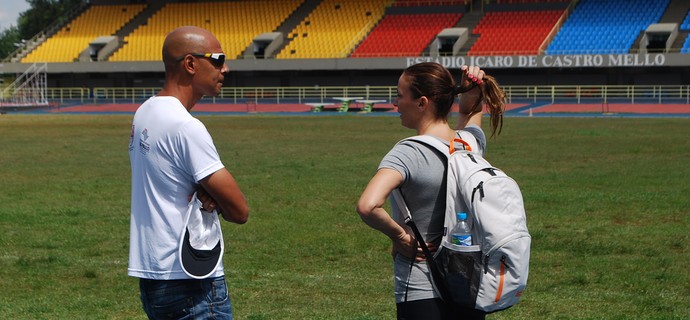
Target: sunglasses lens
(219,60)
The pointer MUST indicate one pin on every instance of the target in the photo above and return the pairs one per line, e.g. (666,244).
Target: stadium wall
(600,69)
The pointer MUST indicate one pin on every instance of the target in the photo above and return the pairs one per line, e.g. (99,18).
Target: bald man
(172,157)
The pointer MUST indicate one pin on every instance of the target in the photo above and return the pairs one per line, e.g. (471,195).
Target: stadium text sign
(549,61)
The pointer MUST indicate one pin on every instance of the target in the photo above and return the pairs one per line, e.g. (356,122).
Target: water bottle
(461,234)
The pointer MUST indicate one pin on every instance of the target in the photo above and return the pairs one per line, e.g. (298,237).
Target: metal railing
(599,94)
(240,94)
(515,94)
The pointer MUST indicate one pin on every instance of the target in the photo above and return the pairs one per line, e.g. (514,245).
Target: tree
(8,38)
(40,15)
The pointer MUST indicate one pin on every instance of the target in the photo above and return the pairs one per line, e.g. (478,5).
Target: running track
(514,109)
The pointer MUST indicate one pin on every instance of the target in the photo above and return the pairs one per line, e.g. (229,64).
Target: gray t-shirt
(424,191)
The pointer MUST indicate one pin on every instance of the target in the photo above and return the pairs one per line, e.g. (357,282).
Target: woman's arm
(470,111)
(370,209)
(467,100)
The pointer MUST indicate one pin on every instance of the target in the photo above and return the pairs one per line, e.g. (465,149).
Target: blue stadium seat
(611,26)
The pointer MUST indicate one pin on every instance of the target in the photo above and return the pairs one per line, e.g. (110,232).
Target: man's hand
(222,193)
(207,202)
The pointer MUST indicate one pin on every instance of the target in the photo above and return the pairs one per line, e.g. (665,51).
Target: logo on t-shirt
(144,146)
(131,139)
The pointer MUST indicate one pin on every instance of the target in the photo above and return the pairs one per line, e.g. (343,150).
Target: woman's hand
(420,257)
(406,245)
(471,77)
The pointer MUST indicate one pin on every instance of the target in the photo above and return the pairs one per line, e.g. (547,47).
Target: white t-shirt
(170,152)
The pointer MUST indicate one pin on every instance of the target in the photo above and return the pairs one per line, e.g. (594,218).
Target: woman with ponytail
(425,94)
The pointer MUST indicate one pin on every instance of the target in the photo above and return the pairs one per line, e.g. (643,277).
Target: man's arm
(226,195)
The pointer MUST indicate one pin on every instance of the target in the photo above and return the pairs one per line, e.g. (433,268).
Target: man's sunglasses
(217,59)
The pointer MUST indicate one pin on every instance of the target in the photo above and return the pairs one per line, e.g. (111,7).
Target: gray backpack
(491,274)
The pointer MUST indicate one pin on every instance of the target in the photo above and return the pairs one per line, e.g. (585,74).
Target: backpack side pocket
(504,274)
(461,266)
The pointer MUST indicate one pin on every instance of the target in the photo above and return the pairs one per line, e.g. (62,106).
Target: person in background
(425,95)
(173,156)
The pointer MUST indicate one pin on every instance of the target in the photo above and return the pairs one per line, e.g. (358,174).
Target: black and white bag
(491,274)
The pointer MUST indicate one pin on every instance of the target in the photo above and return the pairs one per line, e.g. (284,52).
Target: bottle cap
(462,215)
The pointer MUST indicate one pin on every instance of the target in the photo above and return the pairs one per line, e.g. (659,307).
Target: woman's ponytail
(495,99)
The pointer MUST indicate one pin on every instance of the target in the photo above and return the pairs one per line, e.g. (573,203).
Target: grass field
(608,206)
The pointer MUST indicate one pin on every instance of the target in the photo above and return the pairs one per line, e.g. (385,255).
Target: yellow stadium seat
(71,40)
(333,29)
(235,24)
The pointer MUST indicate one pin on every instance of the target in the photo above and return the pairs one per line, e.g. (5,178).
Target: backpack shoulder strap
(447,150)
(431,141)
(426,140)
(397,197)
(434,143)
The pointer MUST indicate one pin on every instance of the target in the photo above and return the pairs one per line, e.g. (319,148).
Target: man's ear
(188,64)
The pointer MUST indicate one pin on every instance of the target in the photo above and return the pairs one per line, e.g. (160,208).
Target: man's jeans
(186,299)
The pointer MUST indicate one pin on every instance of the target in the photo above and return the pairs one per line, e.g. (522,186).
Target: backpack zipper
(498,245)
(501,279)
(480,188)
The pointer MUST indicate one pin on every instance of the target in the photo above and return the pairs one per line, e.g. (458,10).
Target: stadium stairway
(416,10)
(675,12)
(137,21)
(680,40)
(470,21)
(293,21)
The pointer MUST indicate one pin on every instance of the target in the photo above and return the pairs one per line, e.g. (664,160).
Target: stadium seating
(530,1)
(415,3)
(363,28)
(404,34)
(235,24)
(71,40)
(513,32)
(333,29)
(600,27)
